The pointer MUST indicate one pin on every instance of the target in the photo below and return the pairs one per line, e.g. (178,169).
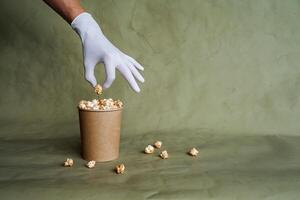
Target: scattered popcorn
(120,169)
(158,144)
(193,152)
(149,149)
(91,164)
(69,162)
(98,89)
(100,104)
(164,154)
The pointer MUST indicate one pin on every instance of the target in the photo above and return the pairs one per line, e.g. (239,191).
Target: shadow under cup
(100,134)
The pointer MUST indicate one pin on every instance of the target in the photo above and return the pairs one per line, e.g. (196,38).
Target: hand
(97,48)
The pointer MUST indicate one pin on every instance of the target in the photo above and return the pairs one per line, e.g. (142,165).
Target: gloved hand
(97,48)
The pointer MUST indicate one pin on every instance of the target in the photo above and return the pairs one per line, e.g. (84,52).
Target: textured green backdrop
(212,68)
(227,66)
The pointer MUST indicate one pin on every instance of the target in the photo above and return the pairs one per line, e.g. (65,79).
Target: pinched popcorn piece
(149,149)
(157,144)
(120,169)
(98,89)
(69,162)
(193,152)
(164,154)
(91,164)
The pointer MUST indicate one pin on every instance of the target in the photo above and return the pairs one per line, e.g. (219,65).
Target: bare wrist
(73,13)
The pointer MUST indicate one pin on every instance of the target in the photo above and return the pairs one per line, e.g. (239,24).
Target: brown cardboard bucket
(100,134)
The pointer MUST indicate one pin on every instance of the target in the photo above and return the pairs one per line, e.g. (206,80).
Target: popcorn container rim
(111,110)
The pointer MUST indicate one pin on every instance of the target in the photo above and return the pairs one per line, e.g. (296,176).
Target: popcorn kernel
(158,144)
(91,164)
(164,154)
(69,162)
(193,152)
(149,149)
(98,89)
(120,169)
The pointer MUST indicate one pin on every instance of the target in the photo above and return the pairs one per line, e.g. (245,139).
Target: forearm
(96,47)
(68,9)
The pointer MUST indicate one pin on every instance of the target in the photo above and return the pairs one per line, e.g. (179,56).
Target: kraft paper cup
(100,134)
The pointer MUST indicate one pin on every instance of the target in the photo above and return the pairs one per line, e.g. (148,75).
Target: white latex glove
(97,48)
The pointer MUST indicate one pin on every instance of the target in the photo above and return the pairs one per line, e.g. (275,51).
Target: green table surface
(228,166)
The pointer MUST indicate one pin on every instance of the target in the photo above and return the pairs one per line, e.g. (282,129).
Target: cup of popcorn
(100,124)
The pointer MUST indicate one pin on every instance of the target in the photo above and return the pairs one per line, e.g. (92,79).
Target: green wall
(227,66)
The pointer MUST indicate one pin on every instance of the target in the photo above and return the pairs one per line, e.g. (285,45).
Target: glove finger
(135,72)
(126,73)
(110,73)
(135,63)
(89,73)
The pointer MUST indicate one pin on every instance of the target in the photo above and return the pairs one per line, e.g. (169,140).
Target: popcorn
(95,108)
(95,102)
(91,164)
(98,89)
(193,152)
(119,103)
(164,154)
(82,102)
(149,149)
(100,104)
(158,144)
(89,104)
(69,162)
(120,168)
(82,106)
